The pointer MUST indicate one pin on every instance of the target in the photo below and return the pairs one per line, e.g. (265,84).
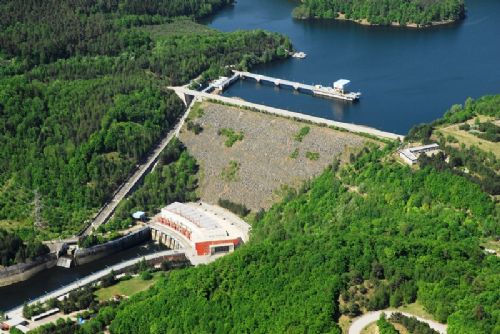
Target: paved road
(359,323)
(17,312)
(285,113)
(107,210)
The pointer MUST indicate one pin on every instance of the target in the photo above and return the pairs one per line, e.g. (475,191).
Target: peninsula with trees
(412,13)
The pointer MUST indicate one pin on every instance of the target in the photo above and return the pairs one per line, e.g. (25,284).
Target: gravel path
(263,154)
(359,323)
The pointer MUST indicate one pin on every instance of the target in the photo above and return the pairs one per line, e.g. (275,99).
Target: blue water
(406,76)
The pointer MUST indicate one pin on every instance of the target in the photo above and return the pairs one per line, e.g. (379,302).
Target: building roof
(408,154)
(138,214)
(423,148)
(341,83)
(14,322)
(203,226)
(412,153)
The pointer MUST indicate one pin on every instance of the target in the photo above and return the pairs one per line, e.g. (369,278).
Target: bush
(146,275)
(239,209)
(232,136)
(108,280)
(299,136)
(313,156)
(412,324)
(464,127)
(385,327)
(194,127)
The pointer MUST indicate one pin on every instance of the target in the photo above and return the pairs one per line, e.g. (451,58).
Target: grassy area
(345,323)
(179,26)
(416,309)
(127,288)
(230,173)
(492,244)
(196,112)
(370,329)
(469,139)
(294,154)
(231,135)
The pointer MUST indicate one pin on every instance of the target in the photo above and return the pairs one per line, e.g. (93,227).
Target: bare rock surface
(264,154)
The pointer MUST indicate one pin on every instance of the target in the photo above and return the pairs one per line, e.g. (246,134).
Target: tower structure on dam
(206,229)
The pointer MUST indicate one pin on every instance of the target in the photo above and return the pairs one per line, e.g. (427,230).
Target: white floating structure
(299,55)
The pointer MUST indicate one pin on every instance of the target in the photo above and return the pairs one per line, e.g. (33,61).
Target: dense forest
(420,12)
(83,98)
(174,179)
(13,250)
(412,234)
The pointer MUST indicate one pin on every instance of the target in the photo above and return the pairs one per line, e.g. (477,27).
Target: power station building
(206,231)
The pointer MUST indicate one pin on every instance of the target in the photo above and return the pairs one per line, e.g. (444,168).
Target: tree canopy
(83,98)
(421,12)
(411,233)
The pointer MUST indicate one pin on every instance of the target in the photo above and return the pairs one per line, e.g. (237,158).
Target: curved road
(359,323)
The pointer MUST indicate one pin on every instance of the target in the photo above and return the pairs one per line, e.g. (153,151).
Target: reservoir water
(406,76)
(56,277)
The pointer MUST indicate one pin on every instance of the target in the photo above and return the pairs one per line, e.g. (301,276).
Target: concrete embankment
(86,255)
(184,92)
(23,271)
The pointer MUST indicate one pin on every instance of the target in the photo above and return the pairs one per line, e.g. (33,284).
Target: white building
(410,155)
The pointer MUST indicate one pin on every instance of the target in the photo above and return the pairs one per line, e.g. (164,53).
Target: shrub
(313,156)
(239,209)
(146,275)
(231,135)
(194,127)
(299,136)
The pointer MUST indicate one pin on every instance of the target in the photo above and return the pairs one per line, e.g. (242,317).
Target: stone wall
(86,255)
(23,271)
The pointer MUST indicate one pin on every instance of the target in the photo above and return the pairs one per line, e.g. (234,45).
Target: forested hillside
(468,151)
(412,234)
(420,12)
(83,98)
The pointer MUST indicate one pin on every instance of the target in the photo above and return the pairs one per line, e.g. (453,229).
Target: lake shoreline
(365,22)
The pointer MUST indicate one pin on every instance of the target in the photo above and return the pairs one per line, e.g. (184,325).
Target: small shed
(140,215)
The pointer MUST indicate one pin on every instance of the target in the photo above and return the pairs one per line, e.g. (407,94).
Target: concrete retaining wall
(86,255)
(23,271)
